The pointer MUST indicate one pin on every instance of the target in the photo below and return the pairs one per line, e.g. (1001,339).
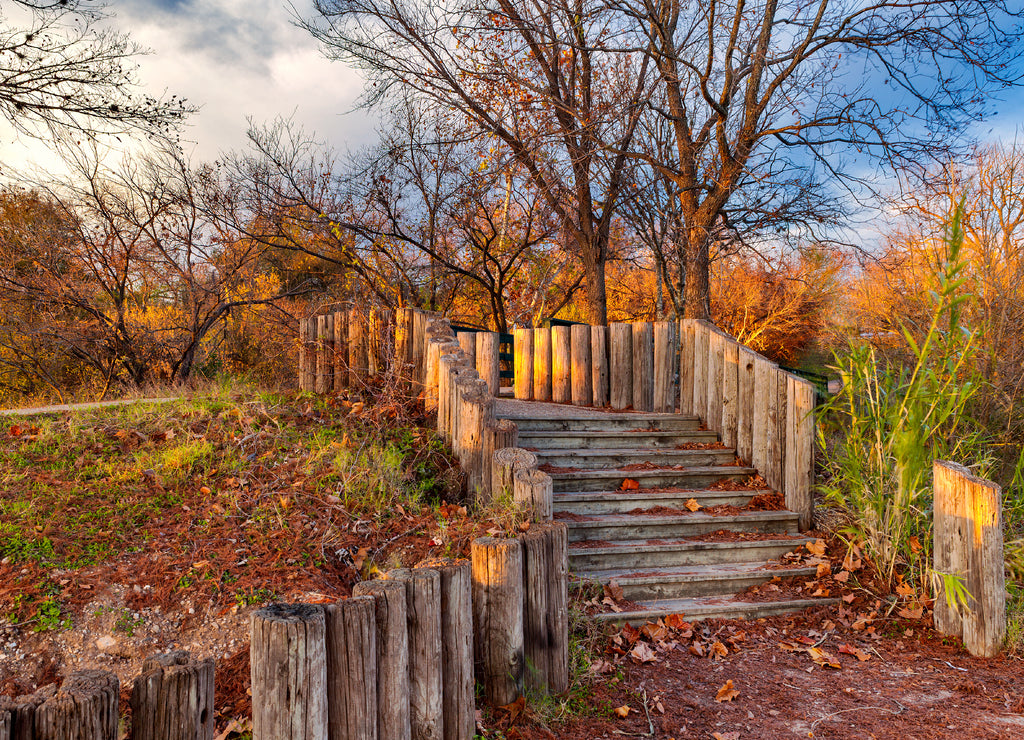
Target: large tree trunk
(697,288)
(597,295)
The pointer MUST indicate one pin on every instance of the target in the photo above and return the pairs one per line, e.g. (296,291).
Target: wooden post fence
(173,698)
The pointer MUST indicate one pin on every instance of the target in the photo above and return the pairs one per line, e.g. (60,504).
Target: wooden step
(617,458)
(608,480)
(590,503)
(643,554)
(620,422)
(695,580)
(622,527)
(591,440)
(710,607)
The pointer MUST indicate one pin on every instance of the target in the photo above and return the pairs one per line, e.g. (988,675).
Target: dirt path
(59,408)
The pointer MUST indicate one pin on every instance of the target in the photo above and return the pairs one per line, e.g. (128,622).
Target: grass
(238,496)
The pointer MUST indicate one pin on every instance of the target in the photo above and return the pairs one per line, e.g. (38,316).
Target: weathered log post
(476,412)
(5,724)
(288,663)
(541,364)
(324,372)
(340,359)
(172,699)
(713,390)
(533,490)
(782,413)
(467,341)
(403,342)
(459,707)
(352,669)
(522,365)
(745,404)
(561,364)
(686,350)
(498,618)
(431,382)
(701,341)
(582,370)
(764,374)
(800,434)
(22,712)
(504,464)
(392,656)
(774,442)
(620,340)
(546,607)
(599,364)
(666,364)
(84,708)
(643,366)
(302,354)
(498,434)
(968,544)
(418,357)
(487,363)
(358,362)
(730,392)
(423,611)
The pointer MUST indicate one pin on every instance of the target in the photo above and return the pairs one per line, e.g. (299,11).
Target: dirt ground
(900,681)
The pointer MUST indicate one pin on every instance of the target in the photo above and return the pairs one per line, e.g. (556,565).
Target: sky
(236,59)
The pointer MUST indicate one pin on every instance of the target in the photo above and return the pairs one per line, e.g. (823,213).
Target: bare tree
(61,70)
(540,79)
(811,92)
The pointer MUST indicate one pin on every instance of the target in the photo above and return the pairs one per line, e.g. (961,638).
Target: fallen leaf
(642,653)
(734,735)
(727,692)
(848,649)
(515,709)
(613,591)
(816,548)
(359,558)
(822,658)
(629,485)
(912,611)
(676,622)
(915,544)
(718,650)
(622,711)
(842,576)
(697,649)
(904,590)
(848,598)
(692,504)
(654,631)
(823,570)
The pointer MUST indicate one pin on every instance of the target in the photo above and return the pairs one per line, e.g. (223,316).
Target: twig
(857,709)
(955,668)
(650,724)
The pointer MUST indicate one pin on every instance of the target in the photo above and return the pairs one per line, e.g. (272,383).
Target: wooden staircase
(622,483)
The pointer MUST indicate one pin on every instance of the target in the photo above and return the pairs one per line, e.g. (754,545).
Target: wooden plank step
(605,439)
(570,421)
(711,607)
(585,557)
(589,503)
(617,458)
(687,581)
(606,480)
(620,527)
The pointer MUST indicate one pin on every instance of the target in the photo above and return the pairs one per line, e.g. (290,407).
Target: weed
(127,622)
(255,597)
(49,615)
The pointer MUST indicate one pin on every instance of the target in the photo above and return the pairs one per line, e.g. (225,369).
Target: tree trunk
(697,295)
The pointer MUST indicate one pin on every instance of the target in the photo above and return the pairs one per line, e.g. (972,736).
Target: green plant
(50,616)
(127,622)
(890,422)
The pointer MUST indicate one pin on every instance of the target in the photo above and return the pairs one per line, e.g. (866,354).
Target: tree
(542,81)
(790,96)
(61,71)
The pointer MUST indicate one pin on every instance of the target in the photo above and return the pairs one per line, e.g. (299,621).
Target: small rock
(106,643)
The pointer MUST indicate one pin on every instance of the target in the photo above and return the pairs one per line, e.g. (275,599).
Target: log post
(775,442)
(302,354)
(620,376)
(730,392)
(423,611)
(546,607)
(21,712)
(487,363)
(582,370)
(599,360)
(800,450)
(467,341)
(5,724)
(403,342)
(352,669)
(392,656)
(498,618)
(561,364)
(533,489)
(498,434)
(665,365)
(340,360)
(701,342)
(504,464)
(783,413)
(84,708)
(764,372)
(686,349)
(288,663)
(445,375)
(418,358)
(643,366)
(324,372)
(472,419)
(745,404)
(716,357)
(430,383)
(523,363)
(459,707)
(358,363)
(541,364)
(173,698)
